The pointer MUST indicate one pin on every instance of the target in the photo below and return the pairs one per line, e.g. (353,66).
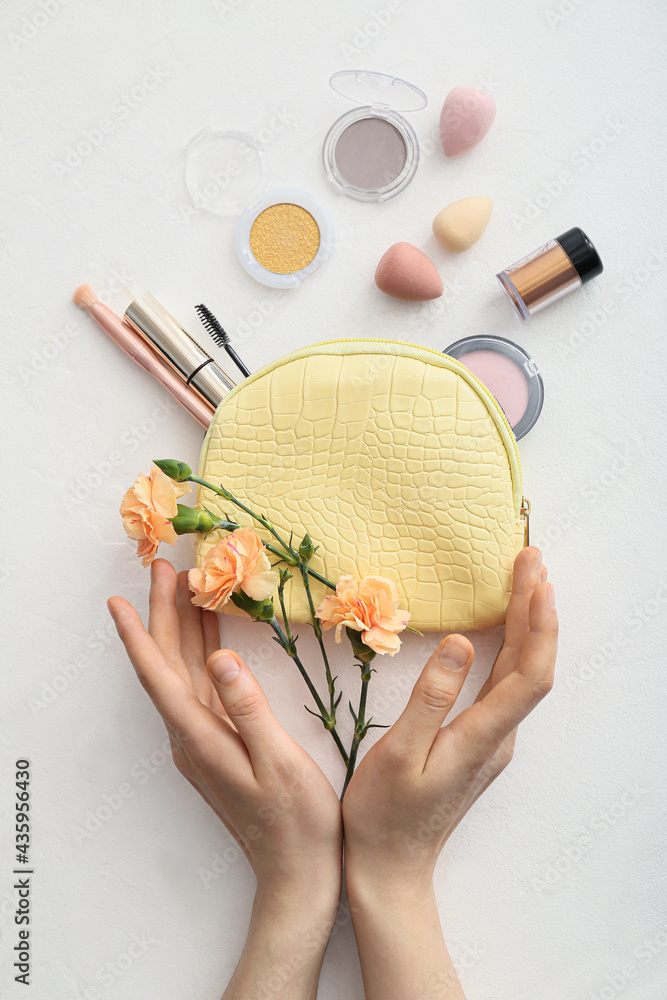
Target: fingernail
(224,666)
(453,656)
(110,609)
(551,595)
(538,560)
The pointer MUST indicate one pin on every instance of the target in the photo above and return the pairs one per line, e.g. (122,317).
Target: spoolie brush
(220,336)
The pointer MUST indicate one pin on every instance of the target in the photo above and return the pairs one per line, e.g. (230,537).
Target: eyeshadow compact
(282,235)
(371,153)
(509,373)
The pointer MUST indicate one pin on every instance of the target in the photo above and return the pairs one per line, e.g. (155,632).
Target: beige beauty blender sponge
(404,272)
(461,224)
(466,117)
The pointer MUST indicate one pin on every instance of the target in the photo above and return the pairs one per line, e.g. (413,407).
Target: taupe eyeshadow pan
(370,154)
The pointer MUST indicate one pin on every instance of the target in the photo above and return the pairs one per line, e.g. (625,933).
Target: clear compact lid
(378,89)
(225,171)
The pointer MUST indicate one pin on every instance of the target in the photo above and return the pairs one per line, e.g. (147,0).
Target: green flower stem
(285,575)
(303,566)
(324,715)
(360,728)
(322,579)
(288,554)
(276,552)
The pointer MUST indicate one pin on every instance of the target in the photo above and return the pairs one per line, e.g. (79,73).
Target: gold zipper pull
(525,514)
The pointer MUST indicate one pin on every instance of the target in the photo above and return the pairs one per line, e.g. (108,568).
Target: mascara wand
(220,336)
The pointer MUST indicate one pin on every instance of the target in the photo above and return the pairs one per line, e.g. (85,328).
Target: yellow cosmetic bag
(394,458)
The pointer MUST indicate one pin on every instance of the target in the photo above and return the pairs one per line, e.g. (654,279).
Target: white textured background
(552,888)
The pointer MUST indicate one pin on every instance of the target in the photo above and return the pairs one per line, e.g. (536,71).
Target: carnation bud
(363,652)
(307,549)
(259,611)
(178,471)
(191,519)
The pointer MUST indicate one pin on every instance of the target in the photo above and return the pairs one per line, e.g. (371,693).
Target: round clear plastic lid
(224,171)
(367,87)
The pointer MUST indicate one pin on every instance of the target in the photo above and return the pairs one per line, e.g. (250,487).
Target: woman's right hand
(269,793)
(414,786)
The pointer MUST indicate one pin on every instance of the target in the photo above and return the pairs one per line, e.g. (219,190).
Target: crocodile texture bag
(394,458)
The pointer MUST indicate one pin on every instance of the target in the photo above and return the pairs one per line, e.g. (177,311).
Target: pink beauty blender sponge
(466,117)
(404,272)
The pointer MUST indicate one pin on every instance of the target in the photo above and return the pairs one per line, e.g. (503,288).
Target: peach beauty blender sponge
(404,272)
(466,117)
(458,226)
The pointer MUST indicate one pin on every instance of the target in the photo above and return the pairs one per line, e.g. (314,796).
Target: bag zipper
(525,514)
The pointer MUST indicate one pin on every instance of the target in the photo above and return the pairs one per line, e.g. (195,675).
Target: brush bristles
(217,338)
(84,297)
(212,325)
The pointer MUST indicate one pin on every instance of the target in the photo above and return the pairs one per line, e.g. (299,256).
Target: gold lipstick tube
(166,335)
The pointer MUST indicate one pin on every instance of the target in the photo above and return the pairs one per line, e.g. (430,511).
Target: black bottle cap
(582,253)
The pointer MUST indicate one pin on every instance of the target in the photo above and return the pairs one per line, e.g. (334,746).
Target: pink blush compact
(505,380)
(509,373)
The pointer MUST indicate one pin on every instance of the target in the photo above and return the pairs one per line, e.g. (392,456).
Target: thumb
(243,700)
(434,694)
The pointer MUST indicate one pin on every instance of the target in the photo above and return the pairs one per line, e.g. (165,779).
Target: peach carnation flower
(369,606)
(146,510)
(238,562)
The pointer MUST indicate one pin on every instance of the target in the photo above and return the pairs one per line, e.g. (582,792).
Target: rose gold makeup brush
(136,348)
